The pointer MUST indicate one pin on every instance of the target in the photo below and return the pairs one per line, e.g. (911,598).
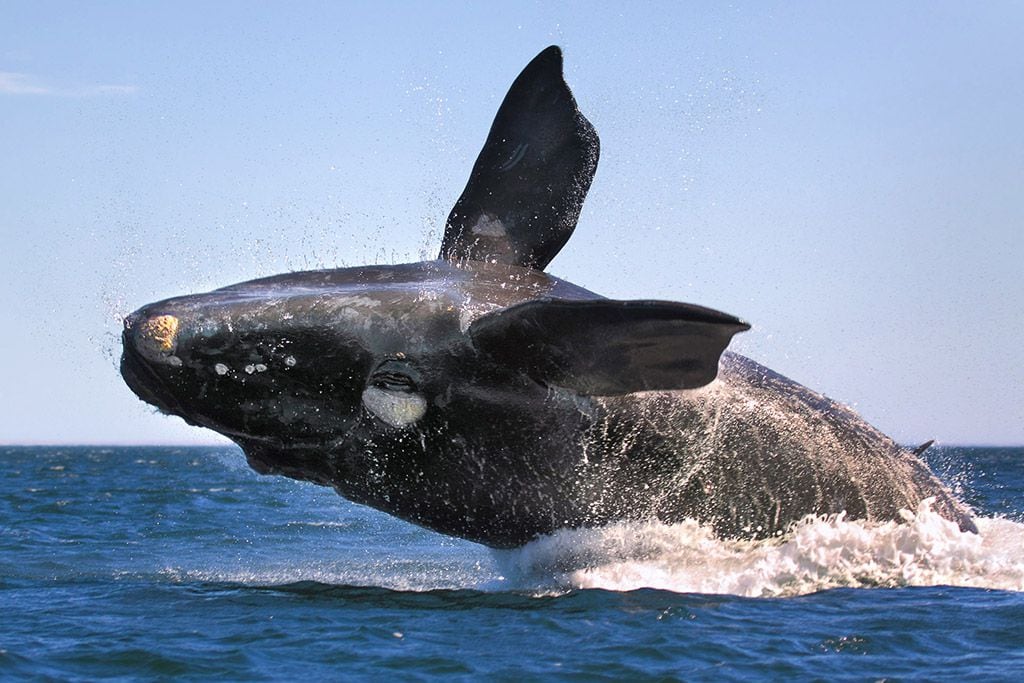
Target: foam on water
(819,553)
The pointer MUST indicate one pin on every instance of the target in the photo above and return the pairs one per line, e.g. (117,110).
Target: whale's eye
(392,395)
(393,381)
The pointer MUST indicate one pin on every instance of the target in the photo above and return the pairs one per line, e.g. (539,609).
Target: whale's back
(754,451)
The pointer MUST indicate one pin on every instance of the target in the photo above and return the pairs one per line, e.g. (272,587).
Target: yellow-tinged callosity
(159,333)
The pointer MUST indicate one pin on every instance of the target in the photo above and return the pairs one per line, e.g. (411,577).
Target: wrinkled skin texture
(481,397)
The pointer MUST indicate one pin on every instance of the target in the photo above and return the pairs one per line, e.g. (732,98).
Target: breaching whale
(478,396)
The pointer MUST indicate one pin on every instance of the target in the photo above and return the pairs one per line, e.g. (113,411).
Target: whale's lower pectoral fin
(604,347)
(528,185)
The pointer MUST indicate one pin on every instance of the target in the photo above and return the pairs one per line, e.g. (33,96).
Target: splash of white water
(819,553)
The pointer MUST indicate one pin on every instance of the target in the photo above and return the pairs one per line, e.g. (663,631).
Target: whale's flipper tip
(527,187)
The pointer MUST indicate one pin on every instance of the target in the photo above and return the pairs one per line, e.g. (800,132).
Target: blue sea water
(155,563)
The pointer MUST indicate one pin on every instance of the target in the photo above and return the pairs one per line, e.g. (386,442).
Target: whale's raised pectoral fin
(606,347)
(527,187)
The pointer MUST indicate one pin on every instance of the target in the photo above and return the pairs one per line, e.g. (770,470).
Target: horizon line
(212,444)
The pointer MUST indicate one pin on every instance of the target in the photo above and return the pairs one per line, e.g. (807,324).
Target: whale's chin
(147,384)
(315,464)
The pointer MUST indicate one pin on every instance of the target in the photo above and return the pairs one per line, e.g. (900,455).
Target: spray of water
(820,553)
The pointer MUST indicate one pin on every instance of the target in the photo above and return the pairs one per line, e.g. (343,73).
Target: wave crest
(817,554)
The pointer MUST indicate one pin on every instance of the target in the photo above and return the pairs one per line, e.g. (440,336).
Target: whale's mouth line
(147,384)
(141,379)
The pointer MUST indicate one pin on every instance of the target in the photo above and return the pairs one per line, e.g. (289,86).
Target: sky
(847,177)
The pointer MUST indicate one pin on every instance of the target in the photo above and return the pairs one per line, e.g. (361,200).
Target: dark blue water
(172,562)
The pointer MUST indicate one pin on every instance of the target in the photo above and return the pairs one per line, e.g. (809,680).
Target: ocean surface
(157,563)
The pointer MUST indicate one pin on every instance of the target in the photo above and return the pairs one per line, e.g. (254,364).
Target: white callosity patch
(254,367)
(398,409)
(222,369)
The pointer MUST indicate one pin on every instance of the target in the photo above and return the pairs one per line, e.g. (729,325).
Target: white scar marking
(517,155)
(488,226)
(469,314)
(220,369)
(350,301)
(466,317)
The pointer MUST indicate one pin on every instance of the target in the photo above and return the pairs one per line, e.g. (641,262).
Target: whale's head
(307,361)
(300,359)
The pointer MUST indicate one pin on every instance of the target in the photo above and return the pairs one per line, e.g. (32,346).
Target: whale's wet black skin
(478,396)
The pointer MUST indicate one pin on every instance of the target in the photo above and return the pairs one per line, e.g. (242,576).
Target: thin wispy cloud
(12,83)
(20,84)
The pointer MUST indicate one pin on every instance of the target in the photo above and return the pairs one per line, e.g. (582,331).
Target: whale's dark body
(478,396)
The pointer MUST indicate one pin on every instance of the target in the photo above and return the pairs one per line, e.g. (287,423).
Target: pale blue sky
(849,178)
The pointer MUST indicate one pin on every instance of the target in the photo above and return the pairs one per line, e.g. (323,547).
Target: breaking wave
(818,554)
